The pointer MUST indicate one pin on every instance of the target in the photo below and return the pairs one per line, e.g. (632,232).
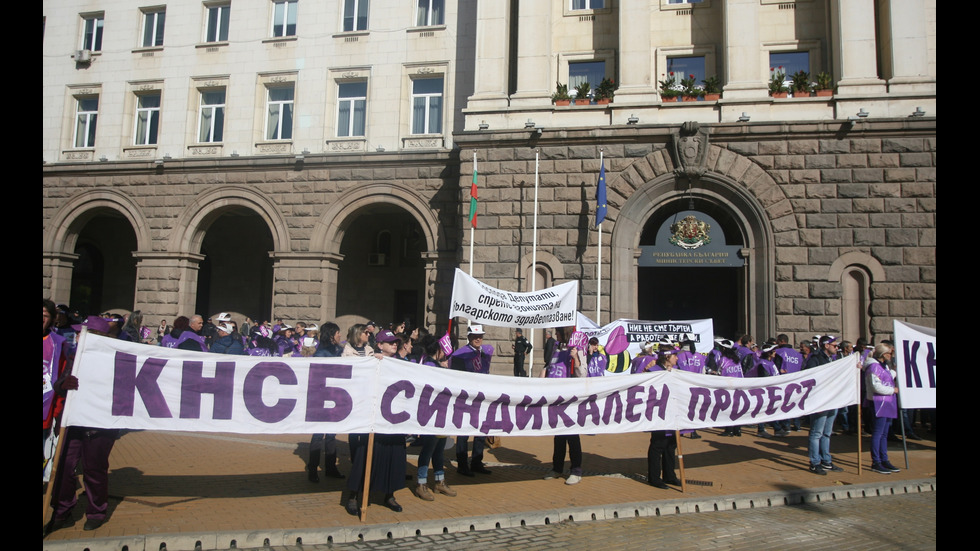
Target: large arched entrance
(382,274)
(236,273)
(688,290)
(103,277)
(742,299)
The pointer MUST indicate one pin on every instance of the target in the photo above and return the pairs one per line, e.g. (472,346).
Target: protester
(388,461)
(564,365)
(433,447)
(882,393)
(663,443)
(474,358)
(822,423)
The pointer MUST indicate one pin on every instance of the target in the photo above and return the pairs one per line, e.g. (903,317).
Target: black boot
(330,467)
(461,466)
(312,465)
(353,507)
(476,465)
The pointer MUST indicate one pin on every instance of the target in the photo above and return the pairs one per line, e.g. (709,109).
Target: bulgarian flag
(473,195)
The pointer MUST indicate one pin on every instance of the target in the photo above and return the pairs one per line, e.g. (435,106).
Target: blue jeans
(821,427)
(433,448)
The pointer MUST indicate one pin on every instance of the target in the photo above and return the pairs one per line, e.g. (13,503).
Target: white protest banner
(483,304)
(639,331)
(135,386)
(915,362)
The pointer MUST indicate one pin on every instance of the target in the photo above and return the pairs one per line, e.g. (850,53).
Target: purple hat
(386,336)
(95,323)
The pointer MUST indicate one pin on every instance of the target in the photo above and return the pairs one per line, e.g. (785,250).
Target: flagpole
(598,292)
(534,255)
(472,214)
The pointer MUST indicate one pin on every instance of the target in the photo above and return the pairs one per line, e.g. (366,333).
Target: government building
(311,160)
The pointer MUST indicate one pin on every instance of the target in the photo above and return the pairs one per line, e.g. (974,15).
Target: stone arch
(855,272)
(329,229)
(732,181)
(546,260)
(192,224)
(61,233)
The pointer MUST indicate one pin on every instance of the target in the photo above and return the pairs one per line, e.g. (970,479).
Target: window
(355,15)
(212,116)
(427,106)
(147,118)
(153,27)
(86,113)
(92,32)
(588,4)
(218,16)
(430,12)
(684,1)
(279,122)
(791,62)
(284,18)
(684,67)
(351,108)
(591,71)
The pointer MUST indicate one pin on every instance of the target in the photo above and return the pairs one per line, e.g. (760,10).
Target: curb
(244,539)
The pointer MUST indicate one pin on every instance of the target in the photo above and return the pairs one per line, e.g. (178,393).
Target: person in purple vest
(563,365)
(692,361)
(765,367)
(663,443)
(787,360)
(645,359)
(882,393)
(593,359)
(433,446)
(744,346)
(727,365)
(475,358)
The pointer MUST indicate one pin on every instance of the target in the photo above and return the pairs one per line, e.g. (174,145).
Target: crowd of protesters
(401,340)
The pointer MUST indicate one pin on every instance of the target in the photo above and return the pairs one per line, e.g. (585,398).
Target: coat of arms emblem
(690,233)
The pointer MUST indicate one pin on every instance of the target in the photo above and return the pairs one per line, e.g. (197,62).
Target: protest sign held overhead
(483,304)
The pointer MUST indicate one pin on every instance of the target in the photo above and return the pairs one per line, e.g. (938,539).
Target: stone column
(166,284)
(854,48)
(58,267)
(743,76)
(637,77)
(492,53)
(535,71)
(907,58)
(303,283)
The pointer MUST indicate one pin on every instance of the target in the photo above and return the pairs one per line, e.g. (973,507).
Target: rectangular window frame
(351,130)
(430,13)
(356,15)
(287,115)
(426,99)
(90,118)
(154,25)
(282,11)
(93,27)
(217,20)
(213,114)
(587,5)
(146,123)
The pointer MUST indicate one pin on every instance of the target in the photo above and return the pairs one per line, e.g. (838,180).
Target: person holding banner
(433,447)
(388,460)
(882,393)
(726,363)
(474,358)
(663,443)
(564,365)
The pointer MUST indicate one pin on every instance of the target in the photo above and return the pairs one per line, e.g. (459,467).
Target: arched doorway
(743,221)
(103,277)
(692,291)
(382,274)
(236,273)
